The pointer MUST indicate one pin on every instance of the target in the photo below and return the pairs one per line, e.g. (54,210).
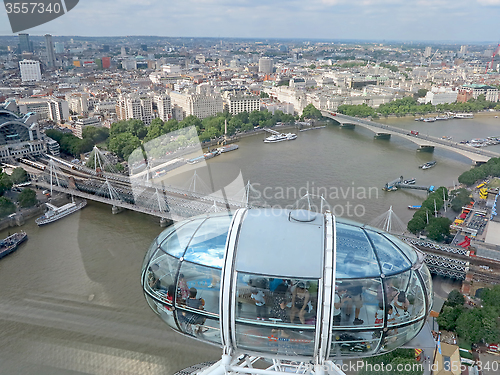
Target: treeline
(72,145)
(476,325)
(490,168)
(127,135)
(27,198)
(410,106)
(436,227)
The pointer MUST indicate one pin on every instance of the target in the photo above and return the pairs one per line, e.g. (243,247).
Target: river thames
(71,300)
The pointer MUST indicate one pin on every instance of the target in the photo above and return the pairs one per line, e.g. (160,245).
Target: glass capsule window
(381,298)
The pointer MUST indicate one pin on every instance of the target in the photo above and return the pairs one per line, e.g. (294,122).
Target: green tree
(455,298)
(27,198)
(448,316)
(478,324)
(123,144)
(19,176)
(421,93)
(6,207)
(96,134)
(311,112)
(416,224)
(491,297)
(399,356)
(438,228)
(264,95)
(5,183)
(461,199)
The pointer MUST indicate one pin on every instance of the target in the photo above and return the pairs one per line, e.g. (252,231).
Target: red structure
(465,243)
(106,62)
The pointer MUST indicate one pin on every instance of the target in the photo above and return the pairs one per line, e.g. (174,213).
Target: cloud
(489,2)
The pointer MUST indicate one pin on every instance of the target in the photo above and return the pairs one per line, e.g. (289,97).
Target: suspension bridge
(140,193)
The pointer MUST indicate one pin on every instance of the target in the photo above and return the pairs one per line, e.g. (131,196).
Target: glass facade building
(287,284)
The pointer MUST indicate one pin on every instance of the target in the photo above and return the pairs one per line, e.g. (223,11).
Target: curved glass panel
(354,344)
(208,245)
(278,341)
(204,282)
(391,259)
(415,298)
(398,336)
(404,247)
(279,301)
(161,237)
(426,276)
(396,288)
(166,313)
(356,302)
(152,248)
(355,256)
(160,277)
(176,243)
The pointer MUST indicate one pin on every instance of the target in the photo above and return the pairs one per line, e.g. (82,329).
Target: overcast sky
(406,20)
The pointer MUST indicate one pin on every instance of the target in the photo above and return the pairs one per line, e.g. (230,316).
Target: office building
(30,70)
(59,47)
(106,62)
(25,45)
(51,56)
(428,51)
(265,65)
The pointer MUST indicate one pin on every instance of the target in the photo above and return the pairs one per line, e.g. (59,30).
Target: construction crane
(490,64)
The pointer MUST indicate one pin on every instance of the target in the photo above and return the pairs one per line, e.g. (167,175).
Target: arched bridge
(425,142)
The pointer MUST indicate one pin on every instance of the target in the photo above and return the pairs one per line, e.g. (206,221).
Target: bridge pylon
(389,222)
(55,175)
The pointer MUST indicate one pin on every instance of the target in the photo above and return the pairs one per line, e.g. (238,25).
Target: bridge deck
(476,155)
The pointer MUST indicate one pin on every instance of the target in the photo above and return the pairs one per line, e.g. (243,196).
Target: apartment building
(236,102)
(30,70)
(82,123)
(164,106)
(49,108)
(199,105)
(135,106)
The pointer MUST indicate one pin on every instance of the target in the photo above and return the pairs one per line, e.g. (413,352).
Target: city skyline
(422,20)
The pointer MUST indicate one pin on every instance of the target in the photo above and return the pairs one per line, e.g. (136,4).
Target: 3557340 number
(40,8)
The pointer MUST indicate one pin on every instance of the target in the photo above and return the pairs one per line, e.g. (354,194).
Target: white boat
(464,115)
(429,119)
(428,165)
(442,118)
(280,137)
(227,148)
(55,213)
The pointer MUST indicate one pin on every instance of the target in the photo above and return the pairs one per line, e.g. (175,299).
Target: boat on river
(227,148)
(9,244)
(280,137)
(463,115)
(55,213)
(414,207)
(428,165)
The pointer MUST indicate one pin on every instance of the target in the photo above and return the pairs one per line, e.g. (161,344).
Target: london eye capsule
(287,285)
